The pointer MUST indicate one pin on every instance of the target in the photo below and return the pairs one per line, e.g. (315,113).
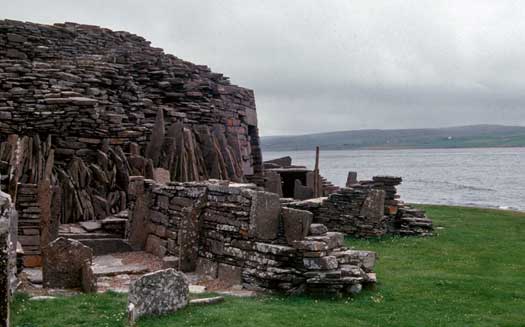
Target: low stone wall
(243,235)
(7,255)
(367,209)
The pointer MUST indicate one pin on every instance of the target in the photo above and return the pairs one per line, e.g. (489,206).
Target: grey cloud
(335,65)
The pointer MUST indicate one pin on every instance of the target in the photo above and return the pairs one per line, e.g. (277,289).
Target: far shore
(378,148)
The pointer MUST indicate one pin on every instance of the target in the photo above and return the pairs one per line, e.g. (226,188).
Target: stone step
(107,271)
(104,246)
(88,236)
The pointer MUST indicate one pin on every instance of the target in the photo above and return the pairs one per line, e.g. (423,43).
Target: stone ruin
(109,145)
(95,106)
(369,208)
(241,234)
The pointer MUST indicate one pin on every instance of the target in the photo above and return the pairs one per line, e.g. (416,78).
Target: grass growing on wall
(472,273)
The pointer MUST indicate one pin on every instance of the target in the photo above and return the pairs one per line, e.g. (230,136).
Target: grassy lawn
(472,273)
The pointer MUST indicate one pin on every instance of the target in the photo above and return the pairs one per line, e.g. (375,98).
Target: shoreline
(400,148)
(467,206)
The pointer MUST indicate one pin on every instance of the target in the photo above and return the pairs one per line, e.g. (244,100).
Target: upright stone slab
(153,150)
(351,179)
(157,293)
(63,262)
(296,224)
(374,205)
(264,215)
(137,233)
(6,257)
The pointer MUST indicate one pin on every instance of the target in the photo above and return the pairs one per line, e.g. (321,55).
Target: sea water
(482,177)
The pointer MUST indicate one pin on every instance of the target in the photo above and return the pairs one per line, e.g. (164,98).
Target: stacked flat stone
(411,221)
(388,184)
(342,211)
(242,235)
(367,209)
(83,84)
(402,219)
(29,223)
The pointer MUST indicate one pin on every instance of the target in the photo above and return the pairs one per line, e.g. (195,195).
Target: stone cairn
(242,235)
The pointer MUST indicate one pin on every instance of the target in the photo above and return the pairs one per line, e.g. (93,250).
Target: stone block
(318,229)
(296,224)
(322,263)
(157,293)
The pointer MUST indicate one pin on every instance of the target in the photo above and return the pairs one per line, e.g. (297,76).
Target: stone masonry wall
(368,209)
(242,235)
(84,84)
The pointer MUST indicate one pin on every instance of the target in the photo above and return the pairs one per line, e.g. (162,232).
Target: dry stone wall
(242,235)
(83,108)
(368,209)
(98,96)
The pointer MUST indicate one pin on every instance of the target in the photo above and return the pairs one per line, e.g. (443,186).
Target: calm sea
(483,177)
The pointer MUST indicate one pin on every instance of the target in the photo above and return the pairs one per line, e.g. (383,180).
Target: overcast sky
(326,65)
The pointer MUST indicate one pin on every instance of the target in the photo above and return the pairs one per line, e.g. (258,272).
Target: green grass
(471,273)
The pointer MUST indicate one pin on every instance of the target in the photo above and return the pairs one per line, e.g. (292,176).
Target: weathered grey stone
(157,293)
(63,263)
(264,215)
(363,259)
(209,300)
(318,229)
(207,267)
(5,273)
(296,224)
(302,192)
(91,226)
(374,205)
(323,263)
(229,275)
(139,216)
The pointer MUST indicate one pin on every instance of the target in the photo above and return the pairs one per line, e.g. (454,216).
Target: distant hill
(449,137)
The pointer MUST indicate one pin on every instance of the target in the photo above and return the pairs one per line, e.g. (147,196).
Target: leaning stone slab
(63,263)
(157,293)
